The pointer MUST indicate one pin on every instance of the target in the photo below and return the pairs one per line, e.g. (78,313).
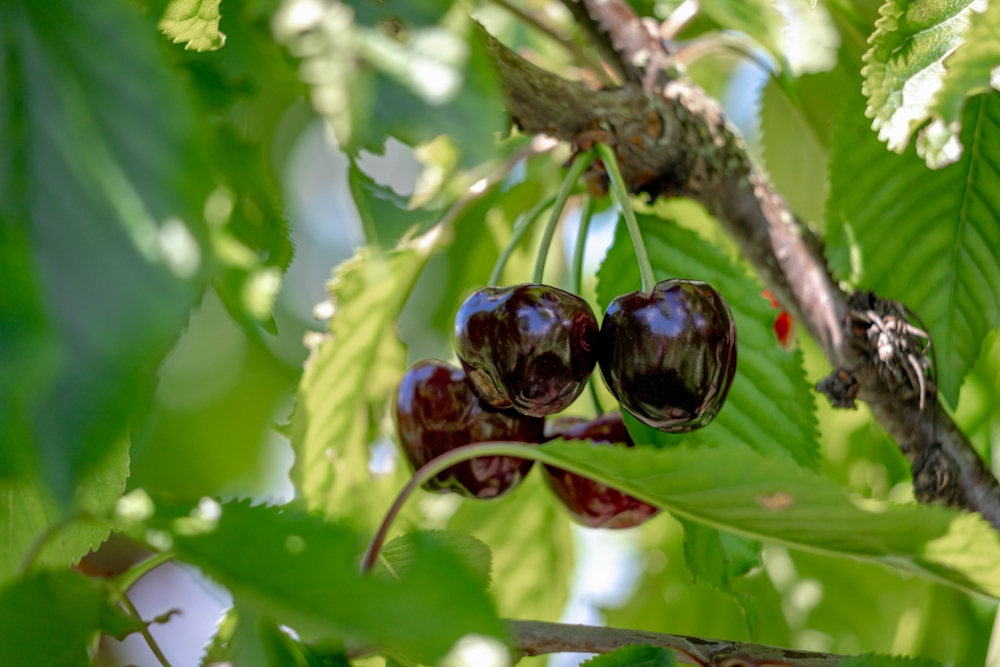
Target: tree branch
(538,638)
(671,140)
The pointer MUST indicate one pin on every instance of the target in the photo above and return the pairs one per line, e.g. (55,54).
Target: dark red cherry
(530,347)
(592,503)
(669,357)
(437,411)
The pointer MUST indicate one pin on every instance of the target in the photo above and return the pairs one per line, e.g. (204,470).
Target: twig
(147,635)
(539,638)
(679,19)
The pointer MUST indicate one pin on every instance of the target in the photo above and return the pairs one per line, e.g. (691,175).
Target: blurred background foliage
(178,180)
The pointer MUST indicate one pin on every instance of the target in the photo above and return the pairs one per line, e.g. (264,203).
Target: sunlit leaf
(330,424)
(770,406)
(874,660)
(890,220)
(903,67)
(971,69)
(194,22)
(716,558)
(759,19)
(51,618)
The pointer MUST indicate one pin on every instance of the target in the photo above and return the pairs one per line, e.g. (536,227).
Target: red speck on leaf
(783,329)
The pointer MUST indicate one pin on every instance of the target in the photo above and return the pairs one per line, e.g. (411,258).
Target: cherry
(527,346)
(592,503)
(669,357)
(436,411)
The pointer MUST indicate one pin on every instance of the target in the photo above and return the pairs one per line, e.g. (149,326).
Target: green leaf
(795,155)
(529,534)
(734,489)
(759,19)
(96,136)
(903,68)
(329,427)
(398,555)
(635,656)
(384,214)
(875,660)
(969,71)
(251,639)
(302,572)
(420,13)
(770,406)
(27,510)
(890,219)
(717,558)
(194,22)
(50,619)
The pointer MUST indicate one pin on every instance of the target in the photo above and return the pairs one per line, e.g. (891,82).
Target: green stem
(607,155)
(519,232)
(153,646)
(592,385)
(129,577)
(576,271)
(581,162)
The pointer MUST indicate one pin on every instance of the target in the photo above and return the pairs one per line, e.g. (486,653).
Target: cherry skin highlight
(530,347)
(588,502)
(436,411)
(669,357)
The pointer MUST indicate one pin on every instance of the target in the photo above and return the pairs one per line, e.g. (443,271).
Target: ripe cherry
(669,357)
(437,411)
(530,347)
(592,503)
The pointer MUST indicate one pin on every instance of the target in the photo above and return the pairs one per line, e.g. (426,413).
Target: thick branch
(677,143)
(538,638)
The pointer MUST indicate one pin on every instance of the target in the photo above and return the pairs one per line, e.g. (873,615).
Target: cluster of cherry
(527,351)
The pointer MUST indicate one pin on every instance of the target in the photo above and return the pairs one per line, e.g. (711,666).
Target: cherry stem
(607,155)
(429,470)
(519,232)
(580,163)
(576,271)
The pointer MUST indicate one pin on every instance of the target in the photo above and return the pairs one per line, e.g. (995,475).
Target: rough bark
(538,638)
(671,139)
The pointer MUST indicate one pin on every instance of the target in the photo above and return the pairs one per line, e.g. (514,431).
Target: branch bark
(671,139)
(539,638)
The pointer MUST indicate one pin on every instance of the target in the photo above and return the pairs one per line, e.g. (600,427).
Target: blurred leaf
(329,426)
(873,660)
(50,619)
(668,599)
(218,647)
(735,489)
(969,71)
(529,535)
(219,393)
(903,68)
(796,157)
(301,571)
(890,219)
(758,19)
(27,510)
(98,148)
(635,656)
(398,555)
(420,13)
(383,213)
(194,22)
(717,558)
(770,406)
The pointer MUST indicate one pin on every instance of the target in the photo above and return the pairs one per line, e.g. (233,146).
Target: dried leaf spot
(776,502)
